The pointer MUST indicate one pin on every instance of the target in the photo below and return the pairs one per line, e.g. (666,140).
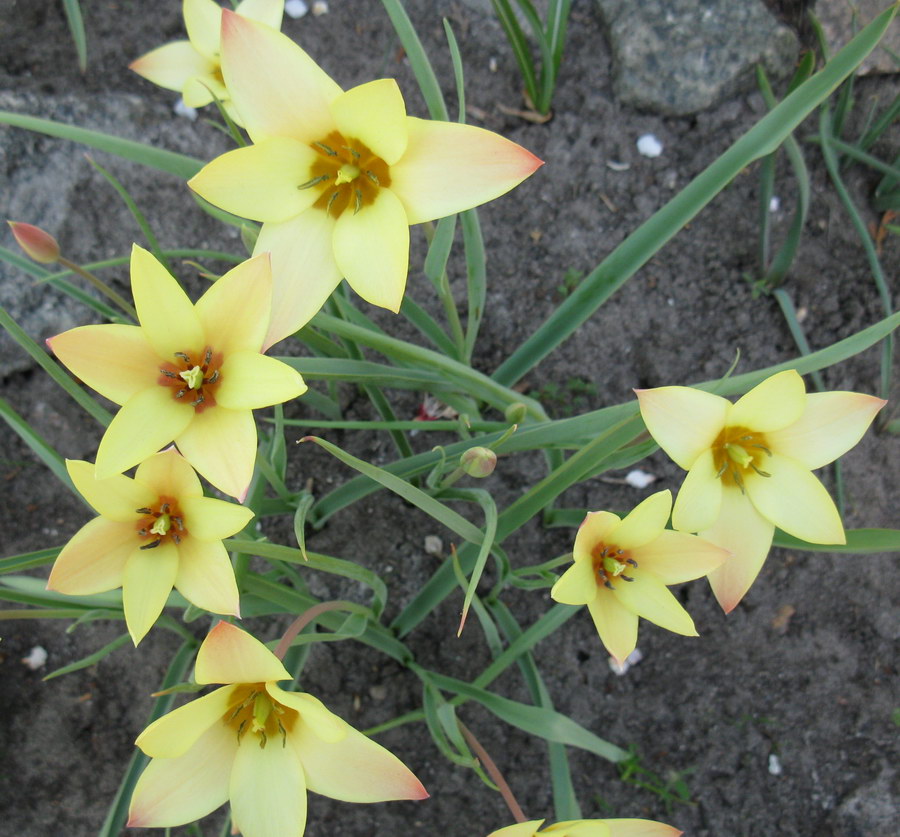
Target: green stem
(101,286)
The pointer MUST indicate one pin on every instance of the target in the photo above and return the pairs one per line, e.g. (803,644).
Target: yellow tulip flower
(590,828)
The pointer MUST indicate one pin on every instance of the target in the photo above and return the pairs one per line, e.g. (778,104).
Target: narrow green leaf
(29,560)
(41,447)
(76,27)
(859,542)
(90,659)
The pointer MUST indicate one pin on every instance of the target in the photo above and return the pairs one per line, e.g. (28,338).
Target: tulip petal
(260,181)
(180,790)
(277,88)
(771,405)
(203,20)
(115,360)
(251,380)
(616,624)
(375,114)
(520,829)
(580,828)
(644,522)
(265,11)
(683,421)
(794,500)
(175,733)
(449,167)
(93,560)
(200,90)
(167,316)
(593,530)
(172,65)
(371,249)
(221,445)
(230,655)
(146,583)
(168,473)
(314,713)
(208,519)
(206,578)
(577,585)
(304,272)
(744,532)
(146,422)
(700,496)
(675,557)
(116,498)
(832,423)
(640,828)
(647,596)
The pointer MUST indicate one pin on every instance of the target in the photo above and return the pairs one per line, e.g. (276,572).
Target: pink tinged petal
(327,726)
(616,624)
(169,473)
(260,181)
(175,733)
(203,21)
(172,65)
(146,583)
(647,596)
(744,532)
(640,828)
(235,310)
(93,560)
(206,578)
(221,445)
(675,557)
(167,315)
(371,249)
(375,114)
(115,360)
(593,530)
(208,519)
(683,421)
(180,790)
(145,423)
(265,11)
(775,403)
(449,167)
(277,88)
(520,829)
(251,380)
(644,522)
(304,271)
(230,655)
(832,423)
(700,496)
(795,501)
(577,585)
(116,498)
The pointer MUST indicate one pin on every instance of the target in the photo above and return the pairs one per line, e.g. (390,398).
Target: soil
(781,718)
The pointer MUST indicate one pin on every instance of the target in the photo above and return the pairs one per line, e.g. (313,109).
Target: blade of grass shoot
(76,27)
(519,45)
(90,659)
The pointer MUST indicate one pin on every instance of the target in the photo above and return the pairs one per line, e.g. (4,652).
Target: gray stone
(869,810)
(678,57)
(841,18)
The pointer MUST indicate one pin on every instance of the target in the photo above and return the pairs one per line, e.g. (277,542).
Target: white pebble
(37,658)
(319,8)
(181,109)
(492,64)
(774,204)
(434,545)
(649,146)
(639,479)
(631,660)
(774,765)
(295,8)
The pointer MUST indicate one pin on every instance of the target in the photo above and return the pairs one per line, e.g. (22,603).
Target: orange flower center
(611,563)
(736,452)
(193,377)
(347,175)
(161,523)
(257,714)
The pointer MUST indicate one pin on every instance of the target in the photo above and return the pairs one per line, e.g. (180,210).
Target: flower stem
(100,285)
(494,772)
(301,622)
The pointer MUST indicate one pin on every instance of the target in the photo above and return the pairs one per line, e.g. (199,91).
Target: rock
(869,810)
(837,19)
(677,57)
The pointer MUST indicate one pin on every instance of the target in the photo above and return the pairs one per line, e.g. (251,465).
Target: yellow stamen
(192,377)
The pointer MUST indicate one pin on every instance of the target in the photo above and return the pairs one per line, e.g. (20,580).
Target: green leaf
(76,27)
(859,541)
(29,560)
(90,659)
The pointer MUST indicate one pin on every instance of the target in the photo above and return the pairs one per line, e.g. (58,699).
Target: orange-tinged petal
(449,167)
(175,733)
(683,421)
(94,558)
(269,12)
(371,249)
(230,655)
(221,445)
(304,272)
(594,529)
(206,578)
(146,422)
(168,473)
(616,624)
(700,496)
(177,791)
(644,522)
(277,88)
(203,21)
(675,557)
(577,585)
(771,405)
(115,360)
(831,424)
(647,596)
(520,829)
(116,498)
(314,714)
(208,519)
(172,65)
(251,380)
(375,114)
(794,500)
(580,828)
(146,583)
(640,828)
(167,315)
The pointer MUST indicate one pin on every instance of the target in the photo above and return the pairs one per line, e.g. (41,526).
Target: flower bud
(478,462)
(39,245)
(515,413)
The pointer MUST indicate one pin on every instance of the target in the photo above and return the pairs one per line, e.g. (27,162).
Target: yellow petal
(203,20)
(235,310)
(260,181)
(172,65)
(577,585)
(644,522)
(675,557)
(640,828)
(304,272)
(375,114)
(115,360)
(647,596)
(449,167)
(683,421)
(277,88)
(327,726)
(177,791)
(251,380)
(94,558)
(175,733)
(831,424)
(775,403)
(145,423)
(206,578)
(593,530)
(616,624)
(208,519)
(116,498)
(221,445)
(265,11)
(166,314)
(580,828)
(200,90)
(168,473)
(146,583)
(795,501)
(520,829)
(371,249)
(700,495)
(230,655)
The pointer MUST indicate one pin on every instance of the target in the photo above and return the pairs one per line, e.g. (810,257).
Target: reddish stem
(494,772)
(301,622)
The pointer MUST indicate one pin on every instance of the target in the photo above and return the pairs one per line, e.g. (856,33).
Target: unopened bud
(478,462)
(39,245)
(515,413)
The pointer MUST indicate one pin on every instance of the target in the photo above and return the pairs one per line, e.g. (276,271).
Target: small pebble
(181,109)
(774,765)
(319,8)
(295,8)
(774,203)
(639,479)
(631,660)
(37,658)
(492,64)
(649,146)
(434,545)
